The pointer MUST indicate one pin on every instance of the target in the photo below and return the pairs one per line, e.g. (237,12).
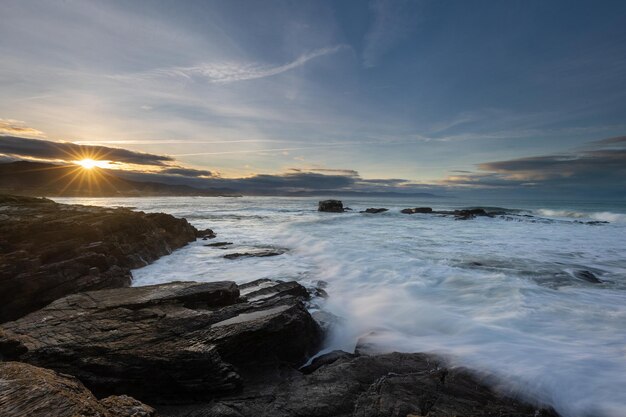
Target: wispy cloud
(227,72)
(16,127)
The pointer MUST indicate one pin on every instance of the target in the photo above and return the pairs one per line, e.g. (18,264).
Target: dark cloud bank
(66,151)
(597,170)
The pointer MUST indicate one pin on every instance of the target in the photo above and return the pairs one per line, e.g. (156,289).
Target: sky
(517,96)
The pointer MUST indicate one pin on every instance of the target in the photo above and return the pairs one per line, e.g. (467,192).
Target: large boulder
(50,250)
(332,206)
(182,341)
(27,390)
(348,385)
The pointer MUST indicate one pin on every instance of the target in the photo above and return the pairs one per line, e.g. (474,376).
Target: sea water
(499,295)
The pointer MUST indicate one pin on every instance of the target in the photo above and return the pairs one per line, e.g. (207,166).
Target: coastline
(252,310)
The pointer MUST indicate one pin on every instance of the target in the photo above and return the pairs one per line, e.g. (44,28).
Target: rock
(341,384)
(468,214)
(326,359)
(258,254)
(416,210)
(205,234)
(375,210)
(49,250)
(327,321)
(27,390)
(218,244)
(125,406)
(587,276)
(182,341)
(332,206)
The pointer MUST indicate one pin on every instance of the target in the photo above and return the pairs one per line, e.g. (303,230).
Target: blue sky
(412,90)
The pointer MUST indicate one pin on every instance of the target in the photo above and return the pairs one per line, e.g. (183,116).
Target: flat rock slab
(256,254)
(27,390)
(182,341)
(218,244)
(348,385)
(50,250)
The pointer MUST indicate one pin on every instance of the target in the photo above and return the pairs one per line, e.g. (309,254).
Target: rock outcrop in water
(49,250)
(264,253)
(182,341)
(332,206)
(416,210)
(27,390)
(374,210)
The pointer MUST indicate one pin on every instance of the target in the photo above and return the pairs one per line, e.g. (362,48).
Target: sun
(89,163)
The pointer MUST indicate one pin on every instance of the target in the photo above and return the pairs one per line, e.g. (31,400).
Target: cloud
(67,151)
(227,72)
(16,127)
(348,172)
(187,172)
(589,169)
(295,180)
(618,141)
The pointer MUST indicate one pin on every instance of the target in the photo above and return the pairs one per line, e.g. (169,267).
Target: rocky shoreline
(188,348)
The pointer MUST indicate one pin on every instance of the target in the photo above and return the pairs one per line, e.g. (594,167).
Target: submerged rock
(341,384)
(333,206)
(587,276)
(27,390)
(218,244)
(49,250)
(258,254)
(182,341)
(375,210)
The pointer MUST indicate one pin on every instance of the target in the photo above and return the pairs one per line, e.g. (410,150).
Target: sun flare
(89,163)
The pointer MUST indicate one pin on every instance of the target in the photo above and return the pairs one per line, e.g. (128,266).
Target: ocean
(503,296)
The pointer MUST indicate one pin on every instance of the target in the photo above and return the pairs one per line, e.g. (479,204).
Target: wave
(604,216)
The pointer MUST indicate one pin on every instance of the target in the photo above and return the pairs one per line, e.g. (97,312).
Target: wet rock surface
(341,384)
(332,206)
(49,250)
(374,210)
(182,341)
(416,210)
(218,244)
(255,254)
(27,390)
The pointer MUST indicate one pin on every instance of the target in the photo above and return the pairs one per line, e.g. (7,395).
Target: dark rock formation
(205,234)
(218,244)
(587,276)
(49,250)
(332,206)
(258,254)
(181,341)
(27,390)
(467,214)
(375,210)
(416,210)
(341,384)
